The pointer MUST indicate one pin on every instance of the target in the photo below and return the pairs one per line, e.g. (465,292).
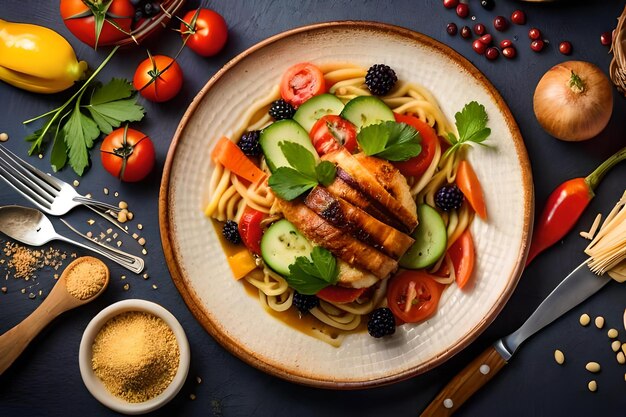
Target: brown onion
(573,101)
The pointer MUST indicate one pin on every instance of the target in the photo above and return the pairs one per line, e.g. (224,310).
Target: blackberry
(381,323)
(449,197)
(380,79)
(231,232)
(305,302)
(249,143)
(281,110)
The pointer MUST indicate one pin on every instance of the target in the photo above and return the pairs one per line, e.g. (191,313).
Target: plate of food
(346,204)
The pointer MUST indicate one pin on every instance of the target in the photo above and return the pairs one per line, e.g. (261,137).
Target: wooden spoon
(14,341)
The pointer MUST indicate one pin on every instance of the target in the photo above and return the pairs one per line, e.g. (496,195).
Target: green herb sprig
(308,276)
(74,126)
(471,123)
(290,182)
(390,140)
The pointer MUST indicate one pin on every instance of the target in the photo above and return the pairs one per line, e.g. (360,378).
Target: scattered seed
(612,333)
(141,241)
(123,277)
(89,234)
(199,380)
(599,322)
(126,286)
(154,286)
(140,226)
(123,205)
(119,243)
(593,386)
(122,216)
(88,195)
(56,276)
(76,183)
(621,358)
(192,397)
(91,222)
(146,276)
(4,137)
(616,345)
(593,367)
(135,236)
(4,289)
(40,156)
(559,357)
(585,319)
(106,191)
(116,194)
(108,239)
(115,235)
(130,215)
(144,251)
(23,290)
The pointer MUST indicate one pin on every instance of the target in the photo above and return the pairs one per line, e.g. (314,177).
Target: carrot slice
(462,254)
(468,183)
(227,153)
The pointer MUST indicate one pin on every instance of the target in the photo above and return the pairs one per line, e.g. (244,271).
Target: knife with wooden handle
(579,285)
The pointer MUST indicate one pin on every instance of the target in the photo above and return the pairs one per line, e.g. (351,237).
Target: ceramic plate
(235,319)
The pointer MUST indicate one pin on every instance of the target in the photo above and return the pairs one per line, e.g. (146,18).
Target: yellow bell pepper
(37,59)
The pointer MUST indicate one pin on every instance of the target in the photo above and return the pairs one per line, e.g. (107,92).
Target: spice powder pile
(136,356)
(85,277)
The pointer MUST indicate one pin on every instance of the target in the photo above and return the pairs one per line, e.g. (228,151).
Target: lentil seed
(616,345)
(123,205)
(4,137)
(593,367)
(122,217)
(612,333)
(130,215)
(621,358)
(592,385)
(599,322)
(585,319)
(559,357)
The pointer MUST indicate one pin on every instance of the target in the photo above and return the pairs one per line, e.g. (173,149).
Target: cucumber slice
(281,244)
(367,110)
(315,108)
(283,131)
(431,239)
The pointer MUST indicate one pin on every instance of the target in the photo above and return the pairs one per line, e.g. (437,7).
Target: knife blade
(579,285)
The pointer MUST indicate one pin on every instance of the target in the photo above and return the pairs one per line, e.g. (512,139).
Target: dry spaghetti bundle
(608,248)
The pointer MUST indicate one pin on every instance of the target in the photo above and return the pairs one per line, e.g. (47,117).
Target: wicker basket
(617,69)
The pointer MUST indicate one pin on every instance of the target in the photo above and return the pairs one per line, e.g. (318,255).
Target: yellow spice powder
(136,356)
(85,277)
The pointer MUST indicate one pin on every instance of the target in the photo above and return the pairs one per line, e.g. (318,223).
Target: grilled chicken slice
(341,244)
(375,177)
(358,223)
(354,278)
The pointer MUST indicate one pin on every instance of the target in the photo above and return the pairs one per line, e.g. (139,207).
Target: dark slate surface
(46,379)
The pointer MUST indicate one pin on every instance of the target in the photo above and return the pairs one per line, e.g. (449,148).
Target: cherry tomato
(463,255)
(301,82)
(417,165)
(250,229)
(413,296)
(205,30)
(330,133)
(80,18)
(337,294)
(158,78)
(127,154)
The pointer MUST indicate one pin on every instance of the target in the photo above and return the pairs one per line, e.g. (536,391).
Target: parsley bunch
(74,126)
(389,140)
(471,122)
(303,175)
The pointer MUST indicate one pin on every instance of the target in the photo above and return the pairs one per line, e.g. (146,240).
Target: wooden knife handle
(465,384)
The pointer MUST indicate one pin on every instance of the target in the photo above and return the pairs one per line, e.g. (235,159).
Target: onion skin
(570,113)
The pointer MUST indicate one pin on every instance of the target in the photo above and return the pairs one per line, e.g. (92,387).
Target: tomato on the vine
(331,132)
(301,82)
(158,78)
(337,294)
(127,154)
(413,296)
(205,31)
(418,165)
(84,17)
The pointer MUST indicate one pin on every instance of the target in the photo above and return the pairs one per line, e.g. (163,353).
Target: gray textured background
(46,379)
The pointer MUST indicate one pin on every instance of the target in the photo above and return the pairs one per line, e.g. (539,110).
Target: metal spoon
(32,227)
(14,341)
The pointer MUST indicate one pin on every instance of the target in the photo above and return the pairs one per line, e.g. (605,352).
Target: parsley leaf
(74,126)
(308,276)
(390,140)
(303,175)
(471,123)
(287,183)
(326,172)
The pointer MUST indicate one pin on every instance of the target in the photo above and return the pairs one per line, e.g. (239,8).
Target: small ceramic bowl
(93,382)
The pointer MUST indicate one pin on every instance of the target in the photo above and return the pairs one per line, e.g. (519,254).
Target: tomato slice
(413,296)
(301,82)
(418,165)
(336,294)
(330,133)
(463,255)
(250,229)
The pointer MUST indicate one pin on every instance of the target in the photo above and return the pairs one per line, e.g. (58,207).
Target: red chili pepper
(565,206)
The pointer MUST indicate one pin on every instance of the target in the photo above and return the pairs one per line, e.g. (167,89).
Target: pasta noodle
(229,196)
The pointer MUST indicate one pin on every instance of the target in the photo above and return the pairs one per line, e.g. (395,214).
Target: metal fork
(48,193)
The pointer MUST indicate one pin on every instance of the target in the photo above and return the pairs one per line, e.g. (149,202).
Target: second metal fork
(50,194)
